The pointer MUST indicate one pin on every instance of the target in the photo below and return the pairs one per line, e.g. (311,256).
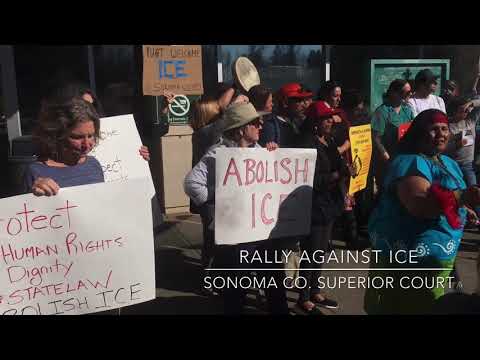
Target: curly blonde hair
(204,112)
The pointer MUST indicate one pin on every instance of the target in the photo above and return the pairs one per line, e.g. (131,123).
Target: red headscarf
(409,144)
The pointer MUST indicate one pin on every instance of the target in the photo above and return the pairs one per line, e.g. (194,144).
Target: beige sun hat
(245,74)
(240,114)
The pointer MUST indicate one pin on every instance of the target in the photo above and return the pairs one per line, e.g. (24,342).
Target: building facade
(114,72)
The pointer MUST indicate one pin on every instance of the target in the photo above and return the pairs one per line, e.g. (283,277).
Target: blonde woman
(206,111)
(203,122)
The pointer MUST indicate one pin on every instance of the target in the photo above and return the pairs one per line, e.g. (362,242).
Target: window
(38,68)
(278,64)
(115,78)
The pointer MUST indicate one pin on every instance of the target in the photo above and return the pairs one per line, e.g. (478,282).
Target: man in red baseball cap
(282,127)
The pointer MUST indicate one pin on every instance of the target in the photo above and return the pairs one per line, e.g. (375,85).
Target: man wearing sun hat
(283,127)
(241,125)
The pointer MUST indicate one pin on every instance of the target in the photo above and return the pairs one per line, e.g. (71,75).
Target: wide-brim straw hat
(238,115)
(245,74)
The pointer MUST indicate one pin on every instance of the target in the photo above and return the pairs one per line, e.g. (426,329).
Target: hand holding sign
(169,96)
(144,153)
(45,187)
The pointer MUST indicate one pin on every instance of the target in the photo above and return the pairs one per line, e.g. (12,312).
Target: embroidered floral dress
(392,228)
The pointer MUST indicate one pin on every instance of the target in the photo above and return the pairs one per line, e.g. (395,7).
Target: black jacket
(278,131)
(328,198)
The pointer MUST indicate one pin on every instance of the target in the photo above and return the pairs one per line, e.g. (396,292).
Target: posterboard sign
(361,148)
(117,151)
(175,68)
(262,194)
(468,138)
(403,128)
(81,251)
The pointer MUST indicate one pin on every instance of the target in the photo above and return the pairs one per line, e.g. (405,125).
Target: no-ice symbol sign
(180,105)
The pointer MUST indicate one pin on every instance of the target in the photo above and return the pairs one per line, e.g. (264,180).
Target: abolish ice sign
(172,68)
(262,194)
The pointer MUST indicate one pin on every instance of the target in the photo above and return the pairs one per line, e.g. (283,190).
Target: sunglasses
(257,122)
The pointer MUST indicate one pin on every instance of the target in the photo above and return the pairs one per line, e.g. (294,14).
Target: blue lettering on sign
(176,65)
(179,69)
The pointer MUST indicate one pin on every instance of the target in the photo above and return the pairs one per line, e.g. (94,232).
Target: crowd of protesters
(421,190)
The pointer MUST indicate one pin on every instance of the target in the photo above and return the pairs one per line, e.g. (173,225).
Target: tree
(227,69)
(277,55)
(291,55)
(314,59)
(255,54)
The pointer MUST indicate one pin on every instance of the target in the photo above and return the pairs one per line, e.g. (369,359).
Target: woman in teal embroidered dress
(422,211)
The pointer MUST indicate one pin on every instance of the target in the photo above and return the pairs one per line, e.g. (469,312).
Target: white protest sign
(467,138)
(117,150)
(81,251)
(262,194)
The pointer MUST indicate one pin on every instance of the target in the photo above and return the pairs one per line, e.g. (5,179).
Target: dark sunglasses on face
(257,122)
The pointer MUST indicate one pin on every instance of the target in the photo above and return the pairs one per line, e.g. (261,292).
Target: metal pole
(218,50)
(327,62)
(91,68)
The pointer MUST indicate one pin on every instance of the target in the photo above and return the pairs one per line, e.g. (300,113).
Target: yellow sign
(361,148)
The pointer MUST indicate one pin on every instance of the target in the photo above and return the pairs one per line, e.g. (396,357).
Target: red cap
(294,90)
(320,110)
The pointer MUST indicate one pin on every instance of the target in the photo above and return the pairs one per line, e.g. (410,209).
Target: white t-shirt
(431,102)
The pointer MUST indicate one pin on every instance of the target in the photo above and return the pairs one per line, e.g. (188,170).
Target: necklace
(437,160)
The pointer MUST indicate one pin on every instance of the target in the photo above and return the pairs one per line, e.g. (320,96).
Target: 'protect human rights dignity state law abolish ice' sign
(81,251)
